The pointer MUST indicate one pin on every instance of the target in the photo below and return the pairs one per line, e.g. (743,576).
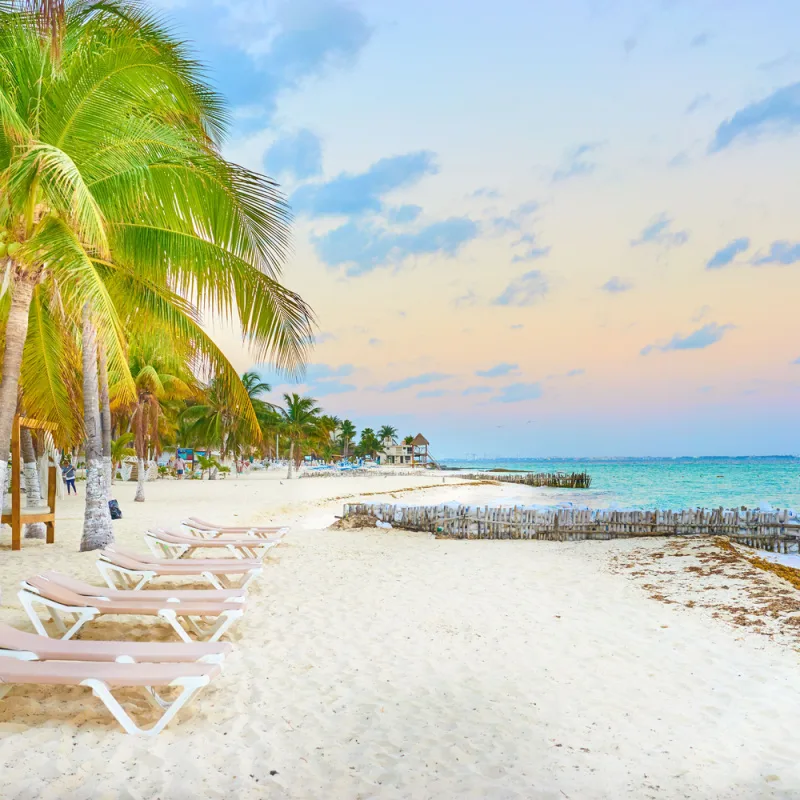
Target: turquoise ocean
(670,483)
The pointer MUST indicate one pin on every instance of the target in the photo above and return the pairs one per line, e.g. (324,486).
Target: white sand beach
(387,664)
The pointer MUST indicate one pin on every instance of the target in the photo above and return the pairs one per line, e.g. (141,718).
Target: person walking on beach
(68,473)
(179,466)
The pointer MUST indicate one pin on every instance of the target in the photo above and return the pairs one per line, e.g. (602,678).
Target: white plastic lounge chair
(206,529)
(39,592)
(169,595)
(127,570)
(103,677)
(181,545)
(30,647)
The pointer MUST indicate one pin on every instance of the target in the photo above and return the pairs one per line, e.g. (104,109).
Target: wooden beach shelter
(16,516)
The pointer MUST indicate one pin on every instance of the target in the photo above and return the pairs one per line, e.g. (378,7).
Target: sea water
(670,483)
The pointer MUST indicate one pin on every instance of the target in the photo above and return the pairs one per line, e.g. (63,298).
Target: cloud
(726,255)
(780,61)
(297,154)
(497,371)
(698,102)
(575,163)
(363,192)
(415,380)
(517,392)
(616,285)
(470,390)
(701,313)
(304,39)
(697,340)
(318,372)
(574,373)
(678,160)
(700,40)
(658,232)
(779,111)
(782,253)
(331,387)
(485,191)
(531,254)
(323,337)
(432,393)
(374,342)
(517,327)
(516,219)
(324,379)
(629,45)
(401,214)
(524,291)
(469,298)
(365,247)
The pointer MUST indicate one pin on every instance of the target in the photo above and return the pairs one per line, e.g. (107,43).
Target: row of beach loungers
(188,665)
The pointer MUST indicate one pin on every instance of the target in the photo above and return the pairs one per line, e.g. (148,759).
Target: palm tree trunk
(291,459)
(33,491)
(141,474)
(97,530)
(16,333)
(105,417)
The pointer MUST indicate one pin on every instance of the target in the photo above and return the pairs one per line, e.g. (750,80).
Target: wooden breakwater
(559,480)
(775,530)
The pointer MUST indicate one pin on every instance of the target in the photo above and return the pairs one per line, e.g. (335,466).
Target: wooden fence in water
(771,530)
(560,480)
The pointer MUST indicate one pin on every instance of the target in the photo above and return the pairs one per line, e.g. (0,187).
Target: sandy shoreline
(375,664)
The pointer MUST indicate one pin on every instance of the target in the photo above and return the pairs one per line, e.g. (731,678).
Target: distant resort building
(414,454)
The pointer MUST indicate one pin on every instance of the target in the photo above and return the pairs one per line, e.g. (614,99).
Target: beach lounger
(128,570)
(182,545)
(103,677)
(41,593)
(210,529)
(171,595)
(31,647)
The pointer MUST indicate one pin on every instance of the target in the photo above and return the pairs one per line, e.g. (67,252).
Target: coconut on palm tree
(110,173)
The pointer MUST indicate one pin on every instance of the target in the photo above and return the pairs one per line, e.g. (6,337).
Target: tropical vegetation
(119,216)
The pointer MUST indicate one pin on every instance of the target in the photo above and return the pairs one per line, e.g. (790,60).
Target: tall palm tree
(387,432)
(300,420)
(110,170)
(160,374)
(347,432)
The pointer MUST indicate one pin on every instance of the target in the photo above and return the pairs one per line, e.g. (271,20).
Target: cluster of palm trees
(120,222)
(173,408)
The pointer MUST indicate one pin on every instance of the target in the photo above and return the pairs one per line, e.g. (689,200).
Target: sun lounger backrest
(52,591)
(73,585)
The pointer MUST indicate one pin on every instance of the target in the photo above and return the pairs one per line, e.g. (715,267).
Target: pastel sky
(565,227)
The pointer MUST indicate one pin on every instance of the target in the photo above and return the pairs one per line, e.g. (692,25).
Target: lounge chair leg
(191,686)
(171,618)
(26,601)
(218,582)
(4,690)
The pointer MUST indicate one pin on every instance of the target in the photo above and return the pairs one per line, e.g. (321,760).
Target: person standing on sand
(179,467)
(68,473)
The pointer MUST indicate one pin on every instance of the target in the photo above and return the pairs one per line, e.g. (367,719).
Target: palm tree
(387,432)
(110,172)
(300,420)
(120,450)
(408,440)
(347,432)
(369,444)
